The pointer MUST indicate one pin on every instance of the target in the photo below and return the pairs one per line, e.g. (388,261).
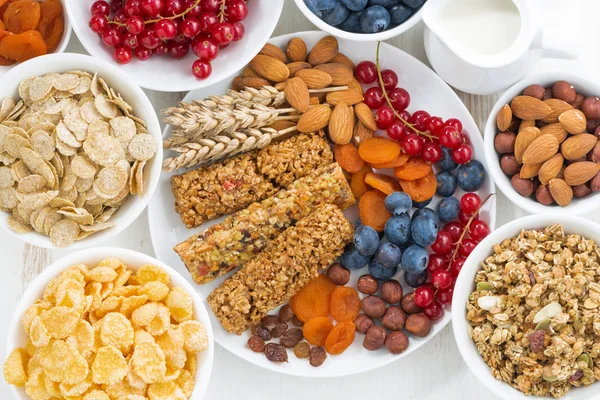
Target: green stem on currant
(153,21)
(389,102)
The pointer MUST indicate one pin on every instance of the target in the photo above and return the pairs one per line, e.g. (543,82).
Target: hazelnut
(580,191)
(375,338)
(373,306)
(394,319)
(594,155)
(418,325)
(338,274)
(591,107)
(543,196)
(408,304)
(523,186)
(391,291)
(505,142)
(396,342)
(509,164)
(591,125)
(367,284)
(534,91)
(597,132)
(595,183)
(547,93)
(578,101)
(564,91)
(363,323)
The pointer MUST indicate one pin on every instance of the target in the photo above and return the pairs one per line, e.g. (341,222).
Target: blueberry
(388,255)
(415,259)
(446,184)
(352,23)
(427,212)
(384,3)
(358,222)
(397,229)
(381,272)
(448,209)
(352,259)
(375,19)
(424,231)
(355,5)
(337,15)
(399,13)
(311,6)
(416,280)
(446,163)
(414,3)
(366,240)
(421,204)
(325,4)
(471,176)
(398,203)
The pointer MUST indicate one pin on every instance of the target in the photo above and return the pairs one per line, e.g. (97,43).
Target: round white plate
(428,92)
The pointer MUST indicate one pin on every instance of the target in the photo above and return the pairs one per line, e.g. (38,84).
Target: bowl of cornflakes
(106,323)
(80,151)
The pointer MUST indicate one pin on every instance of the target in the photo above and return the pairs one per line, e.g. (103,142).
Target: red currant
(396,130)
(478,230)
(441,279)
(470,202)
(238,31)
(178,50)
(204,47)
(384,117)
(222,33)
(432,152)
(122,55)
(399,98)
(189,27)
(201,69)
(151,8)
(423,296)
(434,125)
(449,137)
(132,7)
(457,265)
(211,5)
(98,24)
(418,119)
(462,154)
(120,16)
(142,53)
(237,10)
(467,246)
(115,5)
(373,98)
(100,8)
(161,50)
(389,79)
(366,72)
(192,10)
(464,139)
(443,243)
(434,311)
(131,41)
(465,216)
(149,40)
(411,144)
(454,123)
(111,37)
(445,295)
(405,115)
(436,262)
(135,24)
(172,8)
(455,229)
(165,29)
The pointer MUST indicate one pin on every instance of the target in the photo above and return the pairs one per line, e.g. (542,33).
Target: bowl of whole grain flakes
(527,309)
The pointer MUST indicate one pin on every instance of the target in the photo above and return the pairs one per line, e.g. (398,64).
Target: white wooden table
(434,372)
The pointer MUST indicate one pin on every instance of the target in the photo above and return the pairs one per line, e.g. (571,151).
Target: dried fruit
(383,183)
(291,337)
(340,337)
(379,150)
(372,210)
(21,16)
(23,46)
(341,124)
(317,356)
(345,304)
(415,168)
(276,352)
(421,189)
(357,182)
(302,350)
(313,299)
(316,330)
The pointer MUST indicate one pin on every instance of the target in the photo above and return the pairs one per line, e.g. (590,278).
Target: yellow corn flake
(96,395)
(133,397)
(148,361)
(121,389)
(116,330)
(63,363)
(171,342)
(77,389)
(134,380)
(185,381)
(70,293)
(191,364)
(142,336)
(148,273)
(122,277)
(110,304)
(131,303)
(14,367)
(30,348)
(161,322)
(83,338)
(127,291)
(165,391)
(170,375)
(60,321)
(53,388)
(107,288)
(102,274)
(29,315)
(180,304)
(38,333)
(143,315)
(110,262)
(194,336)
(109,366)
(155,290)
(93,289)
(35,387)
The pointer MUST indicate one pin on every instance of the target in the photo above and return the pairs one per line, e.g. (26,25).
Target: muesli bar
(240,237)
(286,266)
(226,187)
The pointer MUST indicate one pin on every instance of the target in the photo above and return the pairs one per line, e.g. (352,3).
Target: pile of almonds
(555,153)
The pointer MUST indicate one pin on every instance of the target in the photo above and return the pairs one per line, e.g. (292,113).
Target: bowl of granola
(525,308)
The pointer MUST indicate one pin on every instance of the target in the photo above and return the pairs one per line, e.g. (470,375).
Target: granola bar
(229,186)
(240,237)
(286,266)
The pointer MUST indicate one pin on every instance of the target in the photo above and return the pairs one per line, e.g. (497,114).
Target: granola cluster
(535,316)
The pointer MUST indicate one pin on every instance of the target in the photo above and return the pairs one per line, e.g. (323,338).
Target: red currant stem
(389,102)
(466,229)
(153,21)
(222,12)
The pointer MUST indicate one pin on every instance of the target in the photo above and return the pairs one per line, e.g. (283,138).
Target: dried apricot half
(357,183)
(415,168)
(316,330)
(340,337)
(420,189)
(21,16)
(345,304)
(379,150)
(384,183)
(313,299)
(371,208)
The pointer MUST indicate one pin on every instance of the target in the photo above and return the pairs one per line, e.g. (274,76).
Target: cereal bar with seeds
(291,261)
(241,236)
(223,188)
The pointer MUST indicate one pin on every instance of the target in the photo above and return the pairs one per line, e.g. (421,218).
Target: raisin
(263,333)
(256,344)
(269,320)
(296,321)
(576,376)
(317,356)
(536,341)
(276,352)
(279,329)
(291,337)
(302,349)
(285,313)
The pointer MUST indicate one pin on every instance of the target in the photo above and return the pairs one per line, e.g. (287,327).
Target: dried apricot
(379,150)
(2,27)
(345,304)
(340,337)
(55,36)
(421,189)
(21,16)
(415,168)
(396,162)
(4,5)
(347,156)
(23,46)
(51,24)
(381,182)
(313,299)
(357,183)
(4,60)
(372,210)
(316,330)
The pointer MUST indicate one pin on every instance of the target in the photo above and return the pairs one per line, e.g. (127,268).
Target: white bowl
(359,37)
(465,285)
(584,86)
(142,108)
(166,74)
(62,45)
(16,335)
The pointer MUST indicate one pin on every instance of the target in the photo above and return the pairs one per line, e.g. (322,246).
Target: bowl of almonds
(541,143)
(78,147)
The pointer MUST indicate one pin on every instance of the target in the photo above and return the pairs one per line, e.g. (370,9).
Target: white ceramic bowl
(142,108)
(359,37)
(16,335)
(166,74)
(62,45)
(465,285)
(587,87)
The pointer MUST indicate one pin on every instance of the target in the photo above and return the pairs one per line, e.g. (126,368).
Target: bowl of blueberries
(363,20)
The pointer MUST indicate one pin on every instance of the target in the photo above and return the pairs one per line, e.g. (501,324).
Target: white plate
(427,91)
(262,18)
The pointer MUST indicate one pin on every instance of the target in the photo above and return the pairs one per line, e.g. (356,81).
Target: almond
(314,101)
(355,85)
(529,171)
(573,121)
(296,49)
(504,118)
(561,192)
(315,118)
(555,130)
(249,73)
(551,168)
(527,107)
(526,123)
(341,124)
(282,124)
(541,149)
(270,68)
(296,93)
(578,146)
(241,83)
(348,96)
(273,51)
(342,58)
(296,66)
(314,78)
(558,107)
(524,139)
(365,115)
(580,172)
(361,133)
(323,51)
(279,86)
(340,73)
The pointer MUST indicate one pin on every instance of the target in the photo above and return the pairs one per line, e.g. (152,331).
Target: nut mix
(534,316)
(109,332)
